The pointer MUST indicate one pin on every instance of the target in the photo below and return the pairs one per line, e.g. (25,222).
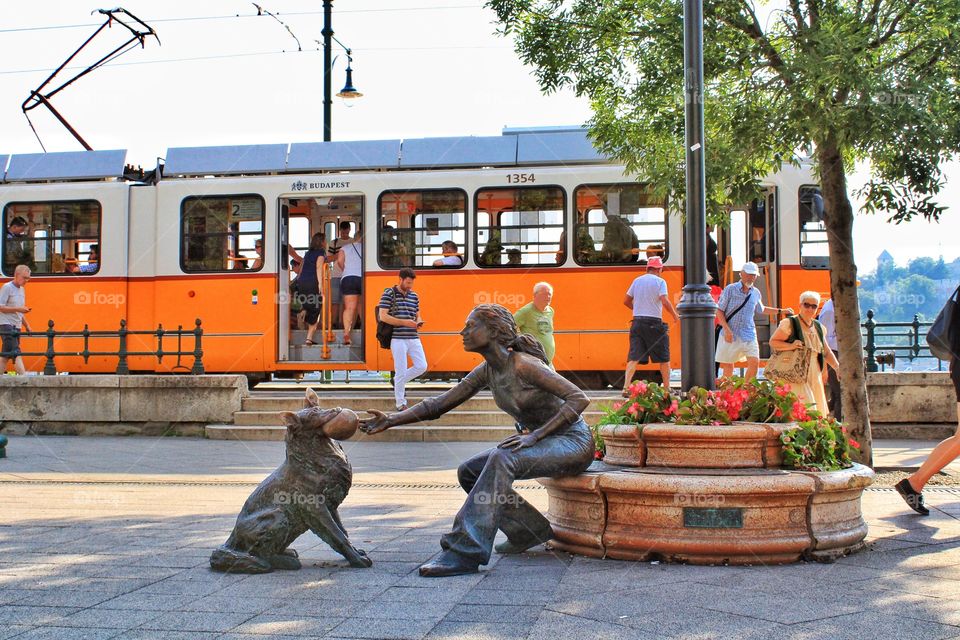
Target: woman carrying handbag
(803,331)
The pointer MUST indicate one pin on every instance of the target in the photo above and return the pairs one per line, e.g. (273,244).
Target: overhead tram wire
(253,54)
(250,15)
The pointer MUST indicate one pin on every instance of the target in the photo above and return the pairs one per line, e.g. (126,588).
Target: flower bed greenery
(817,443)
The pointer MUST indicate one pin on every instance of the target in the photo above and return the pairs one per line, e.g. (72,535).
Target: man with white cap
(738,304)
(649,336)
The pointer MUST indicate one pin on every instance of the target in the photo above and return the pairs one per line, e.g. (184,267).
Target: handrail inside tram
(326,334)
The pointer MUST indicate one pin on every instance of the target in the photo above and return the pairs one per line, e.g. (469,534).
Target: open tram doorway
(327,226)
(752,235)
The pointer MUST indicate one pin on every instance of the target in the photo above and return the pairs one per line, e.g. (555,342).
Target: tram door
(752,235)
(338,220)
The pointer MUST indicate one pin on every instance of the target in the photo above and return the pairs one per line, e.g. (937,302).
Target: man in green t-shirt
(536,318)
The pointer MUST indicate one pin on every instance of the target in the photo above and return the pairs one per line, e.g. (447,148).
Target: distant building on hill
(884,258)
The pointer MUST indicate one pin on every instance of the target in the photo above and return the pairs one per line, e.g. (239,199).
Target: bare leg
(3,366)
(944,453)
(752,365)
(628,375)
(726,369)
(349,314)
(665,373)
(311,329)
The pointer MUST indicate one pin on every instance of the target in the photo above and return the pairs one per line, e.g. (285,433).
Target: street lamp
(697,308)
(348,91)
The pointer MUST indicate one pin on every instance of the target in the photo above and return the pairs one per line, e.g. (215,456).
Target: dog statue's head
(339,424)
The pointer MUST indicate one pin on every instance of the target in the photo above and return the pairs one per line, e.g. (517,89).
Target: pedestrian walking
(738,304)
(828,318)
(911,488)
(13,307)
(400,306)
(536,318)
(649,334)
(559,442)
(803,330)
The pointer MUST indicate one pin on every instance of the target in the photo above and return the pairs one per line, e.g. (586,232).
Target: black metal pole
(327,63)
(697,308)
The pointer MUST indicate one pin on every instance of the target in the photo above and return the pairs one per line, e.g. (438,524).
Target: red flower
(778,412)
(853,443)
(800,411)
(617,405)
(634,408)
(783,390)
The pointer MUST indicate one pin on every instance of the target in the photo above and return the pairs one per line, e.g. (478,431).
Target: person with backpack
(804,330)
(911,489)
(737,337)
(400,307)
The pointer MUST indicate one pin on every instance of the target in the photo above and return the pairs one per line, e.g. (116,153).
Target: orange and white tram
(527,206)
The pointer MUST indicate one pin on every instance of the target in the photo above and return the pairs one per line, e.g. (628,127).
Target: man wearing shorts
(649,335)
(738,304)
(13,304)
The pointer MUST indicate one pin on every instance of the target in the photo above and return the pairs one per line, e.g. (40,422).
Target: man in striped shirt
(399,306)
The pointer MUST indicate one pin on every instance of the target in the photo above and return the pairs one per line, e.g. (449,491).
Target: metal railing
(896,337)
(122,352)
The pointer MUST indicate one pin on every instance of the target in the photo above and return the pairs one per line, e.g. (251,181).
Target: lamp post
(697,308)
(348,90)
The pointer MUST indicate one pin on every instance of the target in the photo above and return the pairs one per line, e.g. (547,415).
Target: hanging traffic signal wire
(139,31)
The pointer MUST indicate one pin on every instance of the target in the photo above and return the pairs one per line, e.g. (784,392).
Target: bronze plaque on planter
(705,518)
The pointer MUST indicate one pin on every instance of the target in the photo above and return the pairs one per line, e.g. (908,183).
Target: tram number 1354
(520,178)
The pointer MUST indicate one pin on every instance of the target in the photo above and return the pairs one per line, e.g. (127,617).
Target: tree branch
(892,30)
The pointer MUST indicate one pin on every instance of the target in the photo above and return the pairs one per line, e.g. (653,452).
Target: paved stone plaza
(110,538)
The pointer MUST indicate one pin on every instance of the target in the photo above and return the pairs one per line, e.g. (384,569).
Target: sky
(223,75)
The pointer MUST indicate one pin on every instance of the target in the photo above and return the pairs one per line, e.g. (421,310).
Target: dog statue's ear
(312,399)
(290,419)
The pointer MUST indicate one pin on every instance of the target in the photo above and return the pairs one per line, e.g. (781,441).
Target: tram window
(619,223)
(519,227)
(814,248)
(52,238)
(422,229)
(221,233)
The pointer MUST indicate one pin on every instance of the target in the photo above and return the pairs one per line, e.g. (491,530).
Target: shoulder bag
(790,366)
(384,330)
(940,337)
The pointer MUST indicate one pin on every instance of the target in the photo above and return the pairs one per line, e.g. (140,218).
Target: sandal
(310,343)
(346,339)
(625,393)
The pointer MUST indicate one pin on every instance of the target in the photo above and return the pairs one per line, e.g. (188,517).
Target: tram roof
(67,165)
(516,147)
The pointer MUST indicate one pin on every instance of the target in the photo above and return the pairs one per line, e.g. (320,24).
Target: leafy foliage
(817,444)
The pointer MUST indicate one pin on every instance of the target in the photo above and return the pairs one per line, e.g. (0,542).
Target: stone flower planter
(624,444)
(741,445)
(705,495)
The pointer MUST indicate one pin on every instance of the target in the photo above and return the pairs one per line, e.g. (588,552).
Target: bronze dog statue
(303,493)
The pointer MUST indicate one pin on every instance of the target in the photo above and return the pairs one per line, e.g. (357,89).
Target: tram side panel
(204,232)
(71,286)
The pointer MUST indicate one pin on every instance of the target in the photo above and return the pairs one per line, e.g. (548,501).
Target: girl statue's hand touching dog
(379,422)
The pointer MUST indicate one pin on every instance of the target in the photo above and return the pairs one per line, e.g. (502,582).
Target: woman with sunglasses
(803,330)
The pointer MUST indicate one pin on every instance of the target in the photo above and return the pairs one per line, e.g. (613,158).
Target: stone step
(381,402)
(408,433)
(450,419)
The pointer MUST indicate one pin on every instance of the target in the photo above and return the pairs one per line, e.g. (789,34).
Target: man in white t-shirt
(649,334)
(13,306)
(451,255)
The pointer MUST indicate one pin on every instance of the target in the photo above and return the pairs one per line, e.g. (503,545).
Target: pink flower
(715,423)
(853,443)
(634,408)
(638,388)
(617,405)
(800,411)
(672,409)
(783,390)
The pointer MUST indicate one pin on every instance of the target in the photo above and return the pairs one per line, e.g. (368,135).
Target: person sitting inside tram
(93,260)
(451,255)
(620,242)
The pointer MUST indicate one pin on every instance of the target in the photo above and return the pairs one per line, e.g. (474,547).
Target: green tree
(927,266)
(845,80)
